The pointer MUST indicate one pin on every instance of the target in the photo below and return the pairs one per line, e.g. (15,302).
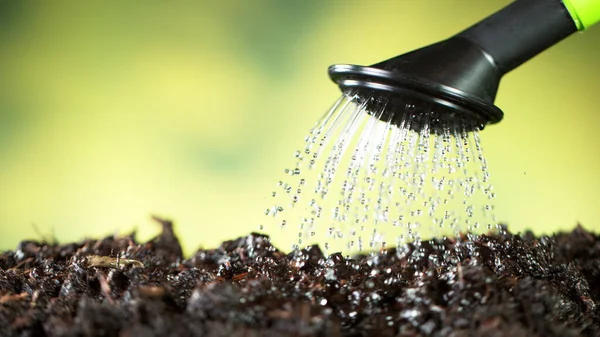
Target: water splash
(363,183)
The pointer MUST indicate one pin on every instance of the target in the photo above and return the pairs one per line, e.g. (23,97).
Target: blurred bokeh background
(111,111)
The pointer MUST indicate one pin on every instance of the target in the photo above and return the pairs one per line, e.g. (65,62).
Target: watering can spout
(459,77)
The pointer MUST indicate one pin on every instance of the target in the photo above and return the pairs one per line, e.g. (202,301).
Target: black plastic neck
(520,31)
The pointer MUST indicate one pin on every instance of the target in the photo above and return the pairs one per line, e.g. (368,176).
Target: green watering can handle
(584,13)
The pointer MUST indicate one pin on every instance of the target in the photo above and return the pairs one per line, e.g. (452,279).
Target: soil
(495,285)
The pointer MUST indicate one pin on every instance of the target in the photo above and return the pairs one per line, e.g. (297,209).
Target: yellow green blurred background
(111,111)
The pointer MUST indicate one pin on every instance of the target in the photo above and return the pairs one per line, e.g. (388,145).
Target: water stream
(363,183)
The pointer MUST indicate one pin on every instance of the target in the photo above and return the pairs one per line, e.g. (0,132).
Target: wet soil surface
(497,285)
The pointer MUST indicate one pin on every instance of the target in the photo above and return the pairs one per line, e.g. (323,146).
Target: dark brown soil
(498,285)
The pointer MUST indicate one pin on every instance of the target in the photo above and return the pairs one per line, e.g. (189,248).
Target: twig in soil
(52,241)
(105,287)
(239,277)
(459,272)
(13,298)
(111,262)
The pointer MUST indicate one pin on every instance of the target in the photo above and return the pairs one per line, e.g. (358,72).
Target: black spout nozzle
(454,82)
